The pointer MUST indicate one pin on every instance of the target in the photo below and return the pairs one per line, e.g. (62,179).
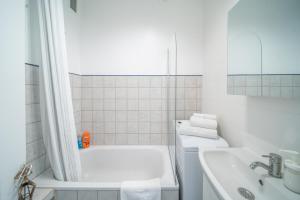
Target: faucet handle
(274,158)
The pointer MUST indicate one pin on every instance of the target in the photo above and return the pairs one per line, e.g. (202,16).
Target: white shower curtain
(59,132)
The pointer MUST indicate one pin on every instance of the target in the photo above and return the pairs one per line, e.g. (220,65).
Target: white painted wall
(72,30)
(12,101)
(33,44)
(132,36)
(271,120)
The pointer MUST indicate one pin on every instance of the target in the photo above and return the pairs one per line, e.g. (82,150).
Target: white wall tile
(97,81)
(121,81)
(190,81)
(110,127)
(286,92)
(144,127)
(121,104)
(180,81)
(87,116)
(296,92)
(144,81)
(98,104)
(109,139)
(190,93)
(144,93)
(86,126)
(155,139)
(121,93)
(275,91)
(109,104)
(155,93)
(121,116)
(133,104)
(98,93)
(133,139)
(144,104)
(156,82)
(155,104)
(155,127)
(155,116)
(98,116)
(86,81)
(286,81)
(87,93)
(122,139)
(275,81)
(133,93)
(28,75)
(98,127)
(99,139)
(133,127)
(132,82)
(296,80)
(132,116)
(33,132)
(144,116)
(252,81)
(109,93)
(109,81)
(87,104)
(121,127)
(109,116)
(144,139)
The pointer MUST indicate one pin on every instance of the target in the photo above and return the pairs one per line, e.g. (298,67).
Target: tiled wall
(131,109)
(115,109)
(287,86)
(75,81)
(105,195)
(35,150)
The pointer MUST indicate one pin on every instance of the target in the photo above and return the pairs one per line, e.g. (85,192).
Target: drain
(246,193)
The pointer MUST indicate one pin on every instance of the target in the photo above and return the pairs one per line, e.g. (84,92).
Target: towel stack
(200,125)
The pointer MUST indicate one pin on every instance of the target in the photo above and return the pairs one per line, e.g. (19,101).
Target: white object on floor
(203,123)
(141,190)
(186,129)
(188,166)
(205,116)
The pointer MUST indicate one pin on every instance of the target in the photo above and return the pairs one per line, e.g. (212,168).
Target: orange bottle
(86,139)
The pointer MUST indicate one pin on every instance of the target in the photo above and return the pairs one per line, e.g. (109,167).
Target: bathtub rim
(46,179)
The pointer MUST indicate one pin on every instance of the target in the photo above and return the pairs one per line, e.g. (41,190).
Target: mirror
(264,48)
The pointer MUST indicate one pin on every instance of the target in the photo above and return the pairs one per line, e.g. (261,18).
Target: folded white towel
(205,116)
(141,190)
(187,129)
(203,123)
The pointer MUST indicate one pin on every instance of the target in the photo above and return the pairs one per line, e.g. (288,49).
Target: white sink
(228,169)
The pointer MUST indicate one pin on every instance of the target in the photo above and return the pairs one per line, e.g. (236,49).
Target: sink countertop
(228,168)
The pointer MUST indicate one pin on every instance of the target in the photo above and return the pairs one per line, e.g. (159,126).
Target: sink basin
(228,169)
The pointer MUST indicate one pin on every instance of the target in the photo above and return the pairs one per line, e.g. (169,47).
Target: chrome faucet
(274,167)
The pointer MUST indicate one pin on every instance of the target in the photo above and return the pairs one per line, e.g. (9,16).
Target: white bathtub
(105,167)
